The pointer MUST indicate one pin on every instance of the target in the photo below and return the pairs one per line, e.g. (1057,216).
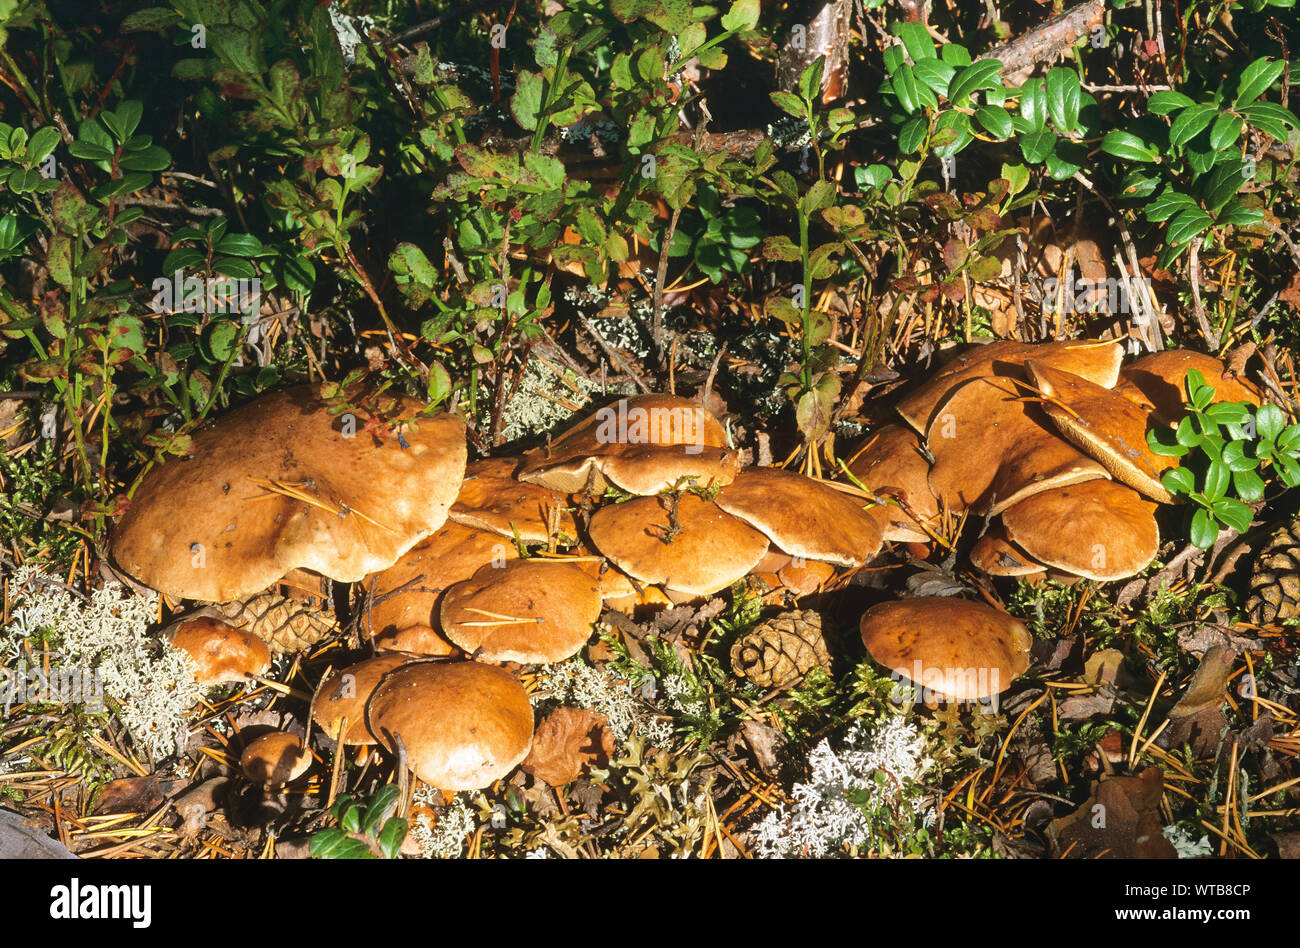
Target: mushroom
(891,462)
(952,649)
(275,759)
(343,694)
(991,449)
(683,543)
(996,555)
(1098,361)
(462,725)
(1099,530)
(533,610)
(1157,382)
(221,653)
(492,499)
(802,516)
(642,445)
(281,483)
(1106,426)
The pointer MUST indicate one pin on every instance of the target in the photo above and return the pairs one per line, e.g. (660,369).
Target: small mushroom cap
(802,516)
(803,578)
(643,444)
(1100,530)
(528,611)
(221,653)
(463,725)
(1107,427)
(343,694)
(275,759)
(991,449)
(215,526)
(956,649)
(1158,380)
(492,499)
(451,554)
(1098,361)
(996,555)
(890,461)
(414,640)
(711,551)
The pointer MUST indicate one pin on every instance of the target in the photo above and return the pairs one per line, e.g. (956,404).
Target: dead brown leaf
(1121,820)
(567,742)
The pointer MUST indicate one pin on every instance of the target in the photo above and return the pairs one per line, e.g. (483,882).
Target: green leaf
(1248,485)
(221,340)
(1166,101)
(1178,480)
(89,151)
(916,40)
(1169,203)
(742,16)
(1033,104)
(1187,225)
(1127,146)
(1193,120)
(1216,480)
(526,103)
(904,84)
(1235,514)
(1225,131)
(912,136)
(1221,185)
(153,20)
(1036,146)
(43,141)
(1235,215)
(152,158)
(935,74)
(1164,450)
(1204,530)
(380,806)
(995,120)
(236,267)
(981,74)
(390,839)
(1063,97)
(791,104)
(1269,422)
(239,245)
(129,114)
(335,844)
(1256,78)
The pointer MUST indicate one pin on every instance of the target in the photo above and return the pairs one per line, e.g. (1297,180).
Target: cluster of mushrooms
(463,569)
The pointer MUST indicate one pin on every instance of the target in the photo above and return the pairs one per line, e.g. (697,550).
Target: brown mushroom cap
(1100,530)
(492,499)
(451,554)
(890,461)
(275,759)
(1107,427)
(1098,361)
(215,526)
(221,653)
(1158,381)
(991,449)
(414,640)
(643,444)
(528,611)
(710,552)
(955,649)
(802,516)
(463,725)
(996,555)
(343,694)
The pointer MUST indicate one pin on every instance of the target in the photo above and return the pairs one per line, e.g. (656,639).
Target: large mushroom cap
(451,554)
(955,649)
(891,461)
(802,516)
(492,499)
(528,611)
(991,449)
(1100,530)
(281,483)
(1106,426)
(1158,382)
(343,694)
(463,725)
(643,444)
(1098,361)
(709,552)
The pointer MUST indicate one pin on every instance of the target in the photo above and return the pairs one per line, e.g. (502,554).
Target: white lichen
(1186,844)
(445,836)
(878,767)
(578,684)
(150,684)
(542,402)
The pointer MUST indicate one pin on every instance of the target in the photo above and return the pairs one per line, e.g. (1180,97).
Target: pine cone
(1275,582)
(284,624)
(778,652)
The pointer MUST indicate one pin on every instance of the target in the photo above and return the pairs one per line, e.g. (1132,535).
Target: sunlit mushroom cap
(451,554)
(463,725)
(275,759)
(1158,382)
(492,499)
(1108,427)
(891,461)
(281,483)
(221,653)
(955,649)
(991,449)
(802,516)
(643,445)
(996,555)
(533,610)
(343,694)
(1098,361)
(1100,530)
(710,552)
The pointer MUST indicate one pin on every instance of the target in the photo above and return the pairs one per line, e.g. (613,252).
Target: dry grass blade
(292,490)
